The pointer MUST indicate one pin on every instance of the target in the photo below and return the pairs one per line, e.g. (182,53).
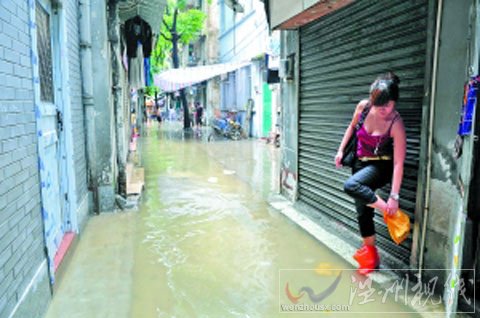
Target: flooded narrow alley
(205,243)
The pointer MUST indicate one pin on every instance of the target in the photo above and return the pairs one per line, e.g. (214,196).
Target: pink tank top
(371,146)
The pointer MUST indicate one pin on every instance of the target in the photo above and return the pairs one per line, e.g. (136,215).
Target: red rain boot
(368,260)
(361,250)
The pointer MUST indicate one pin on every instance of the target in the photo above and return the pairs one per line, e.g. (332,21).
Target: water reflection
(208,239)
(209,245)
(204,243)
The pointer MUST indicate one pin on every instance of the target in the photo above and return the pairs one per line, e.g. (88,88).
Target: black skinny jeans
(366,178)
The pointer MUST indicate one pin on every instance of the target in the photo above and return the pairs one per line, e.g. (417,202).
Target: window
(44,49)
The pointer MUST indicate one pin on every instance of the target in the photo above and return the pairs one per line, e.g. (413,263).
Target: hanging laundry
(138,31)
(147,71)
(125,59)
(136,72)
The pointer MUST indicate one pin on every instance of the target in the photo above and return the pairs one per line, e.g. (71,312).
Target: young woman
(381,149)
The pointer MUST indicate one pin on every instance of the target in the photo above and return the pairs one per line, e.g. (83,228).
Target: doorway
(47,79)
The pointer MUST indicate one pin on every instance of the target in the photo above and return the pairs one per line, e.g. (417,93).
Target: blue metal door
(47,101)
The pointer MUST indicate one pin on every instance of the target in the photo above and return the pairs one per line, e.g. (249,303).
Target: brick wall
(73,38)
(21,237)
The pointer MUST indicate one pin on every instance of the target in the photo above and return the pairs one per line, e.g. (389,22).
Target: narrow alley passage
(203,243)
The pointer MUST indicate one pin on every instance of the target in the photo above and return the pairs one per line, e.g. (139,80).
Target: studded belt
(376,158)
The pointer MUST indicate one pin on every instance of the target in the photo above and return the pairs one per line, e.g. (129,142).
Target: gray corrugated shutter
(341,54)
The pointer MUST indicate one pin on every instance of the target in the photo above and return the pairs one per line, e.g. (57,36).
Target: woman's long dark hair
(384,89)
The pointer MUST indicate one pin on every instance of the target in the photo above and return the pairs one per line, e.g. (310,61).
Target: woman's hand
(338,159)
(392,206)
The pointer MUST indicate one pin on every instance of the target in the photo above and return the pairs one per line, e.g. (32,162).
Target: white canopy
(176,79)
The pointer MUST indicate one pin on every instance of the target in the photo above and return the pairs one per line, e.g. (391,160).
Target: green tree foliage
(151,90)
(181,25)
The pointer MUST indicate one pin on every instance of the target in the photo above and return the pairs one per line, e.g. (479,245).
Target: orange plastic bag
(398,225)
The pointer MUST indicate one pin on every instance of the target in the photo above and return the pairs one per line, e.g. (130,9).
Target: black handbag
(350,151)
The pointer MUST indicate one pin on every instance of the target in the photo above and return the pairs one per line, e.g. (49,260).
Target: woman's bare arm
(399,154)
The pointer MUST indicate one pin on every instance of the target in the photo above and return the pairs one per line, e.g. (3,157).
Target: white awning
(176,79)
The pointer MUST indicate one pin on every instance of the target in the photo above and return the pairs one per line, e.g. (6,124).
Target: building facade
(331,52)
(244,36)
(44,197)
(60,133)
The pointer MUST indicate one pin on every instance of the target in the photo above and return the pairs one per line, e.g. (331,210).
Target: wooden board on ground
(135,179)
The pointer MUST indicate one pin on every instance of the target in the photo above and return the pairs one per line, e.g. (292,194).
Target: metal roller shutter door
(341,54)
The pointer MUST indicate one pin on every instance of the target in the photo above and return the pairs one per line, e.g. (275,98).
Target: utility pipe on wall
(87,88)
(118,107)
(430,136)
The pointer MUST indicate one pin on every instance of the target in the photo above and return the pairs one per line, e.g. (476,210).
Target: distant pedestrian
(145,114)
(198,114)
(159,115)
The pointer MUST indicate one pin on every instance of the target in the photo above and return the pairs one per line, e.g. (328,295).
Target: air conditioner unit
(286,67)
